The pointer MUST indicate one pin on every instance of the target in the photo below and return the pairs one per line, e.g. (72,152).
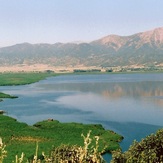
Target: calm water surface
(130,104)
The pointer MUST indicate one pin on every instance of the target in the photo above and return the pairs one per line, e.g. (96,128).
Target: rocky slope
(145,48)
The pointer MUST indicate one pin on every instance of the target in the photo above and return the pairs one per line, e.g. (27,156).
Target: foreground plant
(3,152)
(76,154)
(19,159)
(148,150)
(63,154)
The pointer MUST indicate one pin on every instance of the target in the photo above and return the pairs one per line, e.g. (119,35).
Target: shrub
(76,154)
(149,149)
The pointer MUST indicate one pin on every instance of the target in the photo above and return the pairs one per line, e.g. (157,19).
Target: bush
(77,154)
(149,149)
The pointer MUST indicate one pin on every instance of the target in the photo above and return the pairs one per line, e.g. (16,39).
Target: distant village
(121,69)
(78,69)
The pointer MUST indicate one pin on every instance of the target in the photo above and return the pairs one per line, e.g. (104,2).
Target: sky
(51,21)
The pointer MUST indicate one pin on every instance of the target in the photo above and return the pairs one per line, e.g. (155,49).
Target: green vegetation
(7,79)
(62,154)
(149,149)
(50,134)
(3,95)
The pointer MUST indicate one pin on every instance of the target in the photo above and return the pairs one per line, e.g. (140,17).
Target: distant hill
(141,49)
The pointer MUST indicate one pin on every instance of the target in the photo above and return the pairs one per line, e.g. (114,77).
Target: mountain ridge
(140,49)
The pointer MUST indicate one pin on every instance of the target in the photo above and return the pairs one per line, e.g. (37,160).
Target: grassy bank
(3,95)
(9,79)
(19,137)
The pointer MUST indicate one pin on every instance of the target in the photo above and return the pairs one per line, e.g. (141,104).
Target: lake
(130,104)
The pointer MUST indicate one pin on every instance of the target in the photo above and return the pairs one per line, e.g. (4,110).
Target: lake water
(130,104)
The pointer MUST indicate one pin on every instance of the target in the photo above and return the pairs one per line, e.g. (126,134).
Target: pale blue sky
(51,21)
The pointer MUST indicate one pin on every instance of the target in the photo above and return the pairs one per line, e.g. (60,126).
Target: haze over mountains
(141,49)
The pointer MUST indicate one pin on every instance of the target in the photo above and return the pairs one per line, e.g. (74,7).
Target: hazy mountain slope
(145,48)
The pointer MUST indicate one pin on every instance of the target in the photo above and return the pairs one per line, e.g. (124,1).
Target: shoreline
(71,69)
(91,73)
(20,137)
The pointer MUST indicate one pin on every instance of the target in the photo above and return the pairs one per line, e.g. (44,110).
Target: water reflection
(123,110)
(122,98)
(113,90)
(135,90)
(130,104)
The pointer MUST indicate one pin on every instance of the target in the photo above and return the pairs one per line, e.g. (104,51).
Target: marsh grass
(19,137)
(3,95)
(87,153)
(7,79)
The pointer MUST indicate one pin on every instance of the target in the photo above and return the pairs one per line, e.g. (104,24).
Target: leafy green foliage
(19,137)
(149,149)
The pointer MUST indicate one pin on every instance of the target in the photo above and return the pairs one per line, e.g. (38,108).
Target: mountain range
(141,49)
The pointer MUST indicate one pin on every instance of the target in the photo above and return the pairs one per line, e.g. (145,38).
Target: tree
(148,150)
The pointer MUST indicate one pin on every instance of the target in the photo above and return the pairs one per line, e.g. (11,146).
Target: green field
(8,79)
(19,137)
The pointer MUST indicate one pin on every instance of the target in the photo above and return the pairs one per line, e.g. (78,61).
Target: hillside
(141,49)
